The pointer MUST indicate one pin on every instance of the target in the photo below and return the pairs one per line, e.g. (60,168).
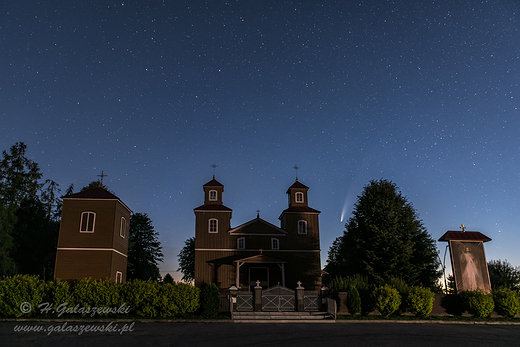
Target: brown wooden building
(93,239)
(257,250)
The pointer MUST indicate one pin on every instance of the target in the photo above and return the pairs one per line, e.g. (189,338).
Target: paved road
(229,334)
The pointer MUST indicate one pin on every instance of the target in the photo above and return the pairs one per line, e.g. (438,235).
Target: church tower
(303,234)
(93,238)
(212,223)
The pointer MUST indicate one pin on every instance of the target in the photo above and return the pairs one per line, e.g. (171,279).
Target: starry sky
(423,93)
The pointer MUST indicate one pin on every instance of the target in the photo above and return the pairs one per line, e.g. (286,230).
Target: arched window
(213,195)
(213,225)
(299,197)
(88,221)
(241,243)
(122,231)
(302,227)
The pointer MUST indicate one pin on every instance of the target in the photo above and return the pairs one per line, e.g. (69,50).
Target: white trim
(243,239)
(90,249)
(216,225)
(122,228)
(305,222)
(273,243)
(259,234)
(256,250)
(121,276)
(216,195)
(296,197)
(87,231)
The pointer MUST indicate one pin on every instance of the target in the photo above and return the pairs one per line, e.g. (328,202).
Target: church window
(299,197)
(123,227)
(241,243)
(119,277)
(275,244)
(88,220)
(302,227)
(213,195)
(213,225)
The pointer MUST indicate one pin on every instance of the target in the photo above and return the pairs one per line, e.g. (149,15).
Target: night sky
(423,93)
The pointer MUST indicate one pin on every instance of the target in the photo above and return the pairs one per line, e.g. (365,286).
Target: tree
(384,238)
(168,279)
(187,260)
(144,252)
(503,275)
(18,182)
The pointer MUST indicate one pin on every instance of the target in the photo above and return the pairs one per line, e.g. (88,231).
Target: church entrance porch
(259,268)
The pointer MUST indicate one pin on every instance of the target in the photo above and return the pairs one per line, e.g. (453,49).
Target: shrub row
(28,296)
(390,298)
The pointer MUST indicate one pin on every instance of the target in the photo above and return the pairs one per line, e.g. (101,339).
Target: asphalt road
(229,334)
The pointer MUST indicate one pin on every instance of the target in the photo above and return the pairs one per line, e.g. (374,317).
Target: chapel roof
(96,193)
(297,185)
(457,235)
(212,207)
(213,183)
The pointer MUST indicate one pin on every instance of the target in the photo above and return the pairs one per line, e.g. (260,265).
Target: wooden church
(93,237)
(257,250)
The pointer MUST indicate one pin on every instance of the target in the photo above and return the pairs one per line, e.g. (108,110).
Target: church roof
(257,226)
(213,183)
(212,207)
(297,185)
(298,209)
(96,193)
(260,258)
(457,235)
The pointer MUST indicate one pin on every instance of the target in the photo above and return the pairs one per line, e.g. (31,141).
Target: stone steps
(282,317)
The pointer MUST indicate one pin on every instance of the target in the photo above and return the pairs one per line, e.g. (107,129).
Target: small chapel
(257,252)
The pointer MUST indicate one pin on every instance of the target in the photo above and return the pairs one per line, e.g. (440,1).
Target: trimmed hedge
(353,300)
(210,300)
(507,302)
(28,296)
(420,301)
(386,299)
(478,303)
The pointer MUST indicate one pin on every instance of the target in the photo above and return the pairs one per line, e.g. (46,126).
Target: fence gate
(278,298)
(311,301)
(244,301)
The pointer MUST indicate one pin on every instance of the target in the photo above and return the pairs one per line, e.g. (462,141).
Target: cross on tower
(296,167)
(463,228)
(214,166)
(102,175)
(257,213)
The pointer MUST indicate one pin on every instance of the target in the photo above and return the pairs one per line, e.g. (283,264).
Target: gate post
(233,291)
(258,297)
(300,304)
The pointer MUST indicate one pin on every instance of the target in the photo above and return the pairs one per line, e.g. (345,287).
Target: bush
(478,303)
(210,300)
(402,287)
(60,293)
(420,301)
(353,300)
(88,293)
(21,295)
(177,299)
(507,303)
(386,299)
(142,297)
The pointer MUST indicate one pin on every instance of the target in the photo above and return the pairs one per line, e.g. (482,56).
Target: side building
(257,250)
(93,238)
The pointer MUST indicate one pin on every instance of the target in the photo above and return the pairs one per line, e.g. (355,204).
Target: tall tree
(187,260)
(385,238)
(145,251)
(19,178)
